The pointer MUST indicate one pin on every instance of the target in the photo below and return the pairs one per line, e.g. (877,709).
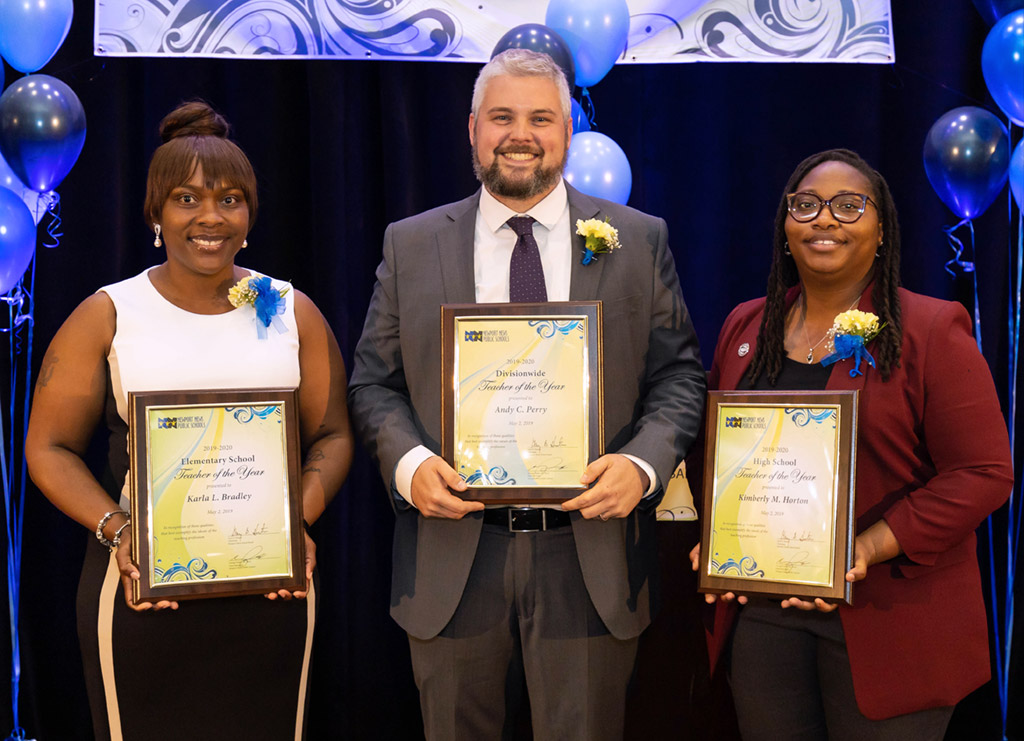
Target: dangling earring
(156,240)
(785,249)
(878,251)
(245,243)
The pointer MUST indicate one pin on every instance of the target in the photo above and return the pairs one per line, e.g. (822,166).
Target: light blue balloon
(580,122)
(1017,174)
(17,239)
(966,156)
(1002,64)
(596,32)
(598,167)
(42,130)
(35,202)
(32,32)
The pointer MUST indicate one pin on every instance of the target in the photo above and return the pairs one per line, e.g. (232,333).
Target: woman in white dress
(233,667)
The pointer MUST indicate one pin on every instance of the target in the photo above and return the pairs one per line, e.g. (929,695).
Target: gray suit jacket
(654,394)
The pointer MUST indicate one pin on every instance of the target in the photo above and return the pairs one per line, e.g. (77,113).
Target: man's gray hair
(522,63)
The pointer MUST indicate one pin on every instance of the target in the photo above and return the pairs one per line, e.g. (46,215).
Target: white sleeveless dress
(216,668)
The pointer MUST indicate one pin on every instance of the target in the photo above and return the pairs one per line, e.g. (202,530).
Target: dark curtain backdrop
(342,148)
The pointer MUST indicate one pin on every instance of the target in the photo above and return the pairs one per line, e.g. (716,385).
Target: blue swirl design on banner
(466,30)
(195,570)
(790,29)
(548,328)
(248,414)
(803,416)
(746,566)
(497,476)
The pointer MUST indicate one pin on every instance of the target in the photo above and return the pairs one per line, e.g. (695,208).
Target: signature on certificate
(259,528)
(253,554)
(790,541)
(791,564)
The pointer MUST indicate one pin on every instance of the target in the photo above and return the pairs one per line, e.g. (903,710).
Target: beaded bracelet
(103,523)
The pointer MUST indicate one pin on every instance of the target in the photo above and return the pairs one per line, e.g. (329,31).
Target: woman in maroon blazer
(933,461)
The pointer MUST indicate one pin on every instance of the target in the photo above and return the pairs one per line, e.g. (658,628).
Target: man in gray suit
(557,596)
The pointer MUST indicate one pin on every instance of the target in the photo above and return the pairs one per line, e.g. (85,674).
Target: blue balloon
(535,37)
(1002,63)
(966,156)
(596,32)
(580,122)
(1017,174)
(598,167)
(32,32)
(42,130)
(17,239)
(993,10)
(36,202)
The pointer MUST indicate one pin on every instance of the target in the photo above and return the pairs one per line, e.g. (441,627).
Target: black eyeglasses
(845,207)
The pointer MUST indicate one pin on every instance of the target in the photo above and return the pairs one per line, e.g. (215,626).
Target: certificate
(521,398)
(215,493)
(779,494)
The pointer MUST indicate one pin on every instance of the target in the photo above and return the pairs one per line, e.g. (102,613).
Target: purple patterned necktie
(526,273)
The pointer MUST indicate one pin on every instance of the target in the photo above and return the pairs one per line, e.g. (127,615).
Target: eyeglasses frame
(822,203)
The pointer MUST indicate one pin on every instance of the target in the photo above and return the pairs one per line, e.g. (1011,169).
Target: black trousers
(791,679)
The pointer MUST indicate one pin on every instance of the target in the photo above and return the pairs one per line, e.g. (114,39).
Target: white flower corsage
(600,236)
(259,293)
(851,331)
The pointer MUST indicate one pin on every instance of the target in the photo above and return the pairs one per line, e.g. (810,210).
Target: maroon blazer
(933,460)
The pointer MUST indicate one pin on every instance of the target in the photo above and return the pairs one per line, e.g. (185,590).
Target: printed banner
(462,31)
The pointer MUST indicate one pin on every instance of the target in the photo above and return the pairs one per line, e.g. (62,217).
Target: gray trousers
(791,679)
(525,612)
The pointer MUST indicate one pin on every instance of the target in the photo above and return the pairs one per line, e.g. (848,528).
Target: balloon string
(587,104)
(966,266)
(53,228)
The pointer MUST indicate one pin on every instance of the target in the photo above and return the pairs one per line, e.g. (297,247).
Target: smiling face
(204,225)
(520,139)
(829,251)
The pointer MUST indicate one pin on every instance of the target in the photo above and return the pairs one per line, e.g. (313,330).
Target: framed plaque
(215,493)
(779,482)
(521,402)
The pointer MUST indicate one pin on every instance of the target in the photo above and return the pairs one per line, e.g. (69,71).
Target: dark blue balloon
(42,130)
(1002,63)
(539,38)
(17,239)
(32,32)
(580,122)
(993,10)
(966,156)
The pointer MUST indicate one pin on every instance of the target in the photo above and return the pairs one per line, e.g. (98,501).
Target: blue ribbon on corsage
(269,305)
(588,256)
(267,301)
(849,346)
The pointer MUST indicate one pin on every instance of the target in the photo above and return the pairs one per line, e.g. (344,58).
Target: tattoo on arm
(46,372)
(314,455)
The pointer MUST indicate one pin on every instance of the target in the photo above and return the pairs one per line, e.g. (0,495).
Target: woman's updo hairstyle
(194,135)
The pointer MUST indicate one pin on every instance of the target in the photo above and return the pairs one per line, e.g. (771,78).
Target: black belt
(526,519)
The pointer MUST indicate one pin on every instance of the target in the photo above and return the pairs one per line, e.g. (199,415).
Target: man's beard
(540,181)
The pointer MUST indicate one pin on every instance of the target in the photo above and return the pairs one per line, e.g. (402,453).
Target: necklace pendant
(810,355)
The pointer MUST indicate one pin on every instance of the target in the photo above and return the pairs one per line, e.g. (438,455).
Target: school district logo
(167,423)
(747,423)
(474,336)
